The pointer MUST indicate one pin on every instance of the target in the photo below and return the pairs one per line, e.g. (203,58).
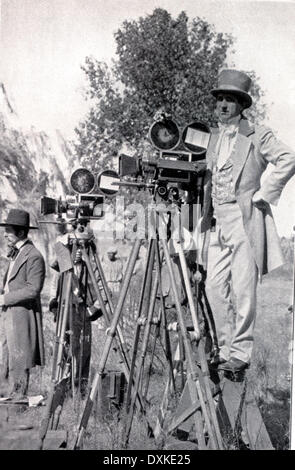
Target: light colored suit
(248,244)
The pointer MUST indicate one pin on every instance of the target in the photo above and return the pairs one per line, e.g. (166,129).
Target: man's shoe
(233,365)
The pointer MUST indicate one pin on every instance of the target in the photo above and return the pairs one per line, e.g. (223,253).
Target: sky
(45,42)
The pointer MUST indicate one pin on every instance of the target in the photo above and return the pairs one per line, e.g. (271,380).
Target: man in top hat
(237,220)
(21,321)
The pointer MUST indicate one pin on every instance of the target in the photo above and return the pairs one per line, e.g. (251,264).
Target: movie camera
(179,165)
(89,189)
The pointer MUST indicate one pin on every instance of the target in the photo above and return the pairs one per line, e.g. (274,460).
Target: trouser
(13,375)
(231,283)
(81,345)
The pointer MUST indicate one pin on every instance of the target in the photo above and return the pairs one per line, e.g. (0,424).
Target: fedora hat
(236,83)
(19,218)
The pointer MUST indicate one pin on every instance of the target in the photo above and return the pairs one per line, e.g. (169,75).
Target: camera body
(90,191)
(180,162)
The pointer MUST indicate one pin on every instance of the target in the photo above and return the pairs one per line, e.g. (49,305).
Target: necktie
(230,130)
(224,145)
(13,252)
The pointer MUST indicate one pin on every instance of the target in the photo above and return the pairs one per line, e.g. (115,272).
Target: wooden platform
(239,417)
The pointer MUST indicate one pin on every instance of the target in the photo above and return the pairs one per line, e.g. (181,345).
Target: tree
(161,63)
(28,170)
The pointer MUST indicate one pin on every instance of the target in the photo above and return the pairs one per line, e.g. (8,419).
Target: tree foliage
(23,180)
(161,63)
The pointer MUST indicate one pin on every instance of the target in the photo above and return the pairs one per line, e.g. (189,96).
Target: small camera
(90,191)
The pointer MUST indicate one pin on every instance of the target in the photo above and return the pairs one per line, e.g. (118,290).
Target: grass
(269,375)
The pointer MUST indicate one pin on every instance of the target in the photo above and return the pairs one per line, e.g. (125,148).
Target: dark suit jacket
(23,303)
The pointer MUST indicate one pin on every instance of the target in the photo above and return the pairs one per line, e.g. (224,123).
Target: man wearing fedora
(21,321)
(241,239)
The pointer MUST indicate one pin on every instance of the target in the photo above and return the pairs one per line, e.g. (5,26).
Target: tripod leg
(161,319)
(204,377)
(152,355)
(168,351)
(168,348)
(142,309)
(181,359)
(120,340)
(59,318)
(73,359)
(103,280)
(141,359)
(110,335)
(209,317)
(82,335)
(57,369)
(193,375)
(93,279)
(121,343)
(158,429)
(83,332)
(60,342)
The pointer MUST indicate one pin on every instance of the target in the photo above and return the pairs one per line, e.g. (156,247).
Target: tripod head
(81,231)
(81,236)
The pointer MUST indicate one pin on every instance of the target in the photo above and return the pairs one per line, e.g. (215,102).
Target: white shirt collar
(232,123)
(21,243)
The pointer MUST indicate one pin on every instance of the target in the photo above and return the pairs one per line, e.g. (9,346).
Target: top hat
(236,83)
(19,218)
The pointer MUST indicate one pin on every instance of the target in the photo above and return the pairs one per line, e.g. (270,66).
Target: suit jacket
(23,303)
(255,147)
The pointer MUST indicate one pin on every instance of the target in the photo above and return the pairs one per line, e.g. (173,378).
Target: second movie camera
(90,191)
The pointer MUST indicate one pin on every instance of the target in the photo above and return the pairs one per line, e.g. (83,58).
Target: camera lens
(162,190)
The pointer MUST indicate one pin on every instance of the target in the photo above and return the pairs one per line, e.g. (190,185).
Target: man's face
(10,236)
(227,107)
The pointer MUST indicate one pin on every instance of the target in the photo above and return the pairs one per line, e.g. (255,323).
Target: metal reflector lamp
(195,137)
(82,181)
(164,135)
(106,182)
